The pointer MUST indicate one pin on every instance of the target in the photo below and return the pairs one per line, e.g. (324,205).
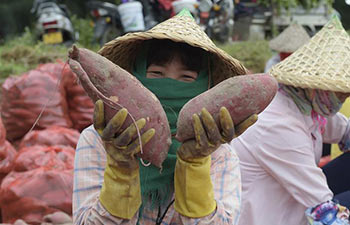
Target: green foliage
(287,4)
(14,17)
(344,10)
(27,38)
(23,53)
(85,29)
(253,54)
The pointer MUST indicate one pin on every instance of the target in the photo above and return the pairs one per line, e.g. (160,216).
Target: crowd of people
(268,175)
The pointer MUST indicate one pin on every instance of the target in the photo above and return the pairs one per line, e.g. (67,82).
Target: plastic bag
(24,98)
(51,136)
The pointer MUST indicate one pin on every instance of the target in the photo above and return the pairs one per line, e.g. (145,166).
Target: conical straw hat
(323,63)
(292,38)
(180,28)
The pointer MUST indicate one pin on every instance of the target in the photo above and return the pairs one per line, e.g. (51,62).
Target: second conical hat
(292,38)
(323,63)
(180,28)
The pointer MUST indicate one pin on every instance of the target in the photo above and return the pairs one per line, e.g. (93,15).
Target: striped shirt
(89,165)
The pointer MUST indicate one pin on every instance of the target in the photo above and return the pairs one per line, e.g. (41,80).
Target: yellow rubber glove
(194,195)
(120,193)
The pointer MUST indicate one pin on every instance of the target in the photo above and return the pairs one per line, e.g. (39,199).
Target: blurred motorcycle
(111,21)
(53,25)
(106,21)
(158,10)
(216,18)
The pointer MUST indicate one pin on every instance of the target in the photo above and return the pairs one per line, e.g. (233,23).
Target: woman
(281,182)
(199,182)
(287,42)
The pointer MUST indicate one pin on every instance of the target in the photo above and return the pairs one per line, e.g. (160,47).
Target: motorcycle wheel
(109,34)
(224,35)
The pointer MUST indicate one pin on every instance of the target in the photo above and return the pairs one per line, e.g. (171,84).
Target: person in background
(200,179)
(281,180)
(287,42)
(242,16)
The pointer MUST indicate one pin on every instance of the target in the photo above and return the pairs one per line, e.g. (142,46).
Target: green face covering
(173,95)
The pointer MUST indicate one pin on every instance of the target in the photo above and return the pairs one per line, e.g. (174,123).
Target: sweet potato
(102,79)
(241,95)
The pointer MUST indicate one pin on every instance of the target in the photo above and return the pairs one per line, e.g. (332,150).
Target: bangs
(163,51)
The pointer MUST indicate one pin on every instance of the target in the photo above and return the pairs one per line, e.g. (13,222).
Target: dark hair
(162,51)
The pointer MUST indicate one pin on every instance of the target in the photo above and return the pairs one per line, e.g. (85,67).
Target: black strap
(159,217)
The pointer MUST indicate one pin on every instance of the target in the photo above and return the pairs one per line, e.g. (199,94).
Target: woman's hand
(209,135)
(121,191)
(121,145)
(194,193)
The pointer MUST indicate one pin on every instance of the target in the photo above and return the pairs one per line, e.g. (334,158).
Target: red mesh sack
(7,153)
(81,107)
(55,69)
(51,136)
(24,98)
(7,156)
(2,132)
(50,157)
(35,193)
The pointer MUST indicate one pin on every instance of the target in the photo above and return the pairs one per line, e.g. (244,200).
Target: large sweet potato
(102,79)
(241,95)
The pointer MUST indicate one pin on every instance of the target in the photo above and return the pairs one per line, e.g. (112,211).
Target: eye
(154,74)
(155,71)
(189,76)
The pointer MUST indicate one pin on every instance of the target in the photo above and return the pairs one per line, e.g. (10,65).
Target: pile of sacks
(43,112)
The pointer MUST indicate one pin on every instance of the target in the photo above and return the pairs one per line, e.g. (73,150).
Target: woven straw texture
(292,38)
(323,63)
(180,28)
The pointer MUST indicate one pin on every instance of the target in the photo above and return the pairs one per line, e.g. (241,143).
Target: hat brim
(323,63)
(292,38)
(123,50)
